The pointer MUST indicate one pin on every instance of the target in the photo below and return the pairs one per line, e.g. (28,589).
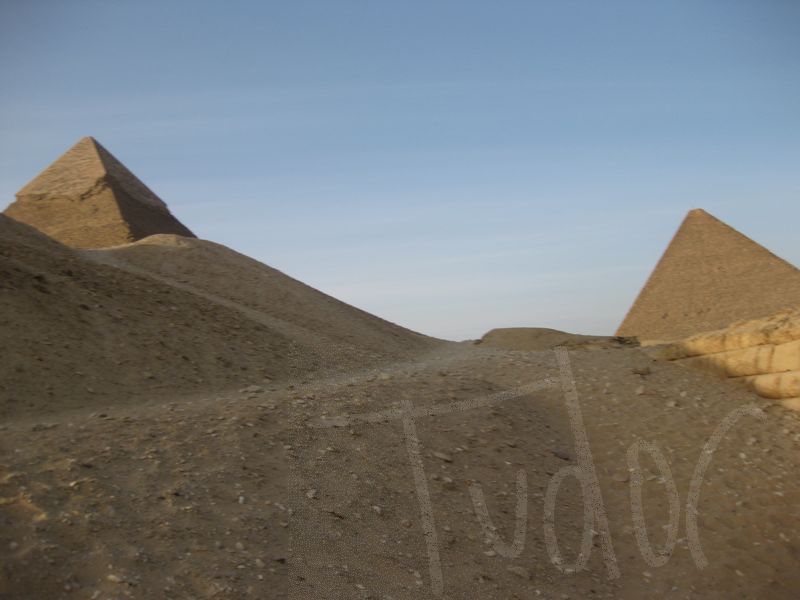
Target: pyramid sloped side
(90,221)
(72,174)
(710,276)
(144,220)
(133,186)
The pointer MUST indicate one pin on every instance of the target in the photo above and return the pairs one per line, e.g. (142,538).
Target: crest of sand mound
(541,338)
(89,199)
(709,277)
(227,277)
(77,333)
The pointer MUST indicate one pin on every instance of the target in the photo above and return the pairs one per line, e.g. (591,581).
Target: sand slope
(78,333)
(308,316)
(136,461)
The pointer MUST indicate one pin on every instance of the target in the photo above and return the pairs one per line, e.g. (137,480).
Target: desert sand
(181,421)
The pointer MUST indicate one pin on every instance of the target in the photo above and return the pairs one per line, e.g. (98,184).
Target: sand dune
(181,421)
(308,316)
(79,333)
(542,338)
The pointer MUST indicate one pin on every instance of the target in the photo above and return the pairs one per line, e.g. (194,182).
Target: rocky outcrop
(762,354)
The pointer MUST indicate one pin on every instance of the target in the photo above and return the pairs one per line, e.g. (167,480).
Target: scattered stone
(519,571)
(443,456)
(448,483)
(562,455)
(252,389)
(44,426)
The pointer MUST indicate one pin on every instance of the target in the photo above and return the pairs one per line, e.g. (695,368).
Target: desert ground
(180,421)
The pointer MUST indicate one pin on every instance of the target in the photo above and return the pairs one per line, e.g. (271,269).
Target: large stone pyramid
(709,277)
(88,199)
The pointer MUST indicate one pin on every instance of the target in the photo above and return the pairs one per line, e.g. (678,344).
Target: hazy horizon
(452,168)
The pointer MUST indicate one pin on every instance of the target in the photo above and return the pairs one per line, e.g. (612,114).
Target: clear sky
(452,166)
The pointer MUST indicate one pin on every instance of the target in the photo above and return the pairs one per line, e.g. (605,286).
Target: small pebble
(519,571)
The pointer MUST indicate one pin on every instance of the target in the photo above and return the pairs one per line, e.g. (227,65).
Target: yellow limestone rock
(750,361)
(780,328)
(774,385)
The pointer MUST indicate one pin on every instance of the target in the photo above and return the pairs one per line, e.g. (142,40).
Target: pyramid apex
(89,143)
(700,212)
(86,140)
(69,174)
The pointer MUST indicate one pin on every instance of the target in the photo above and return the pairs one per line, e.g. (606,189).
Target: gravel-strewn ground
(196,478)
(244,495)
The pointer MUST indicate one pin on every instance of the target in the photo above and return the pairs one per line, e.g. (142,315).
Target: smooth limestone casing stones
(88,199)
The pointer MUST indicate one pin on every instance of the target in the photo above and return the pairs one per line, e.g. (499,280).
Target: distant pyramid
(88,199)
(709,277)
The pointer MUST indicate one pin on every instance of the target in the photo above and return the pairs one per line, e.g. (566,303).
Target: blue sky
(452,166)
